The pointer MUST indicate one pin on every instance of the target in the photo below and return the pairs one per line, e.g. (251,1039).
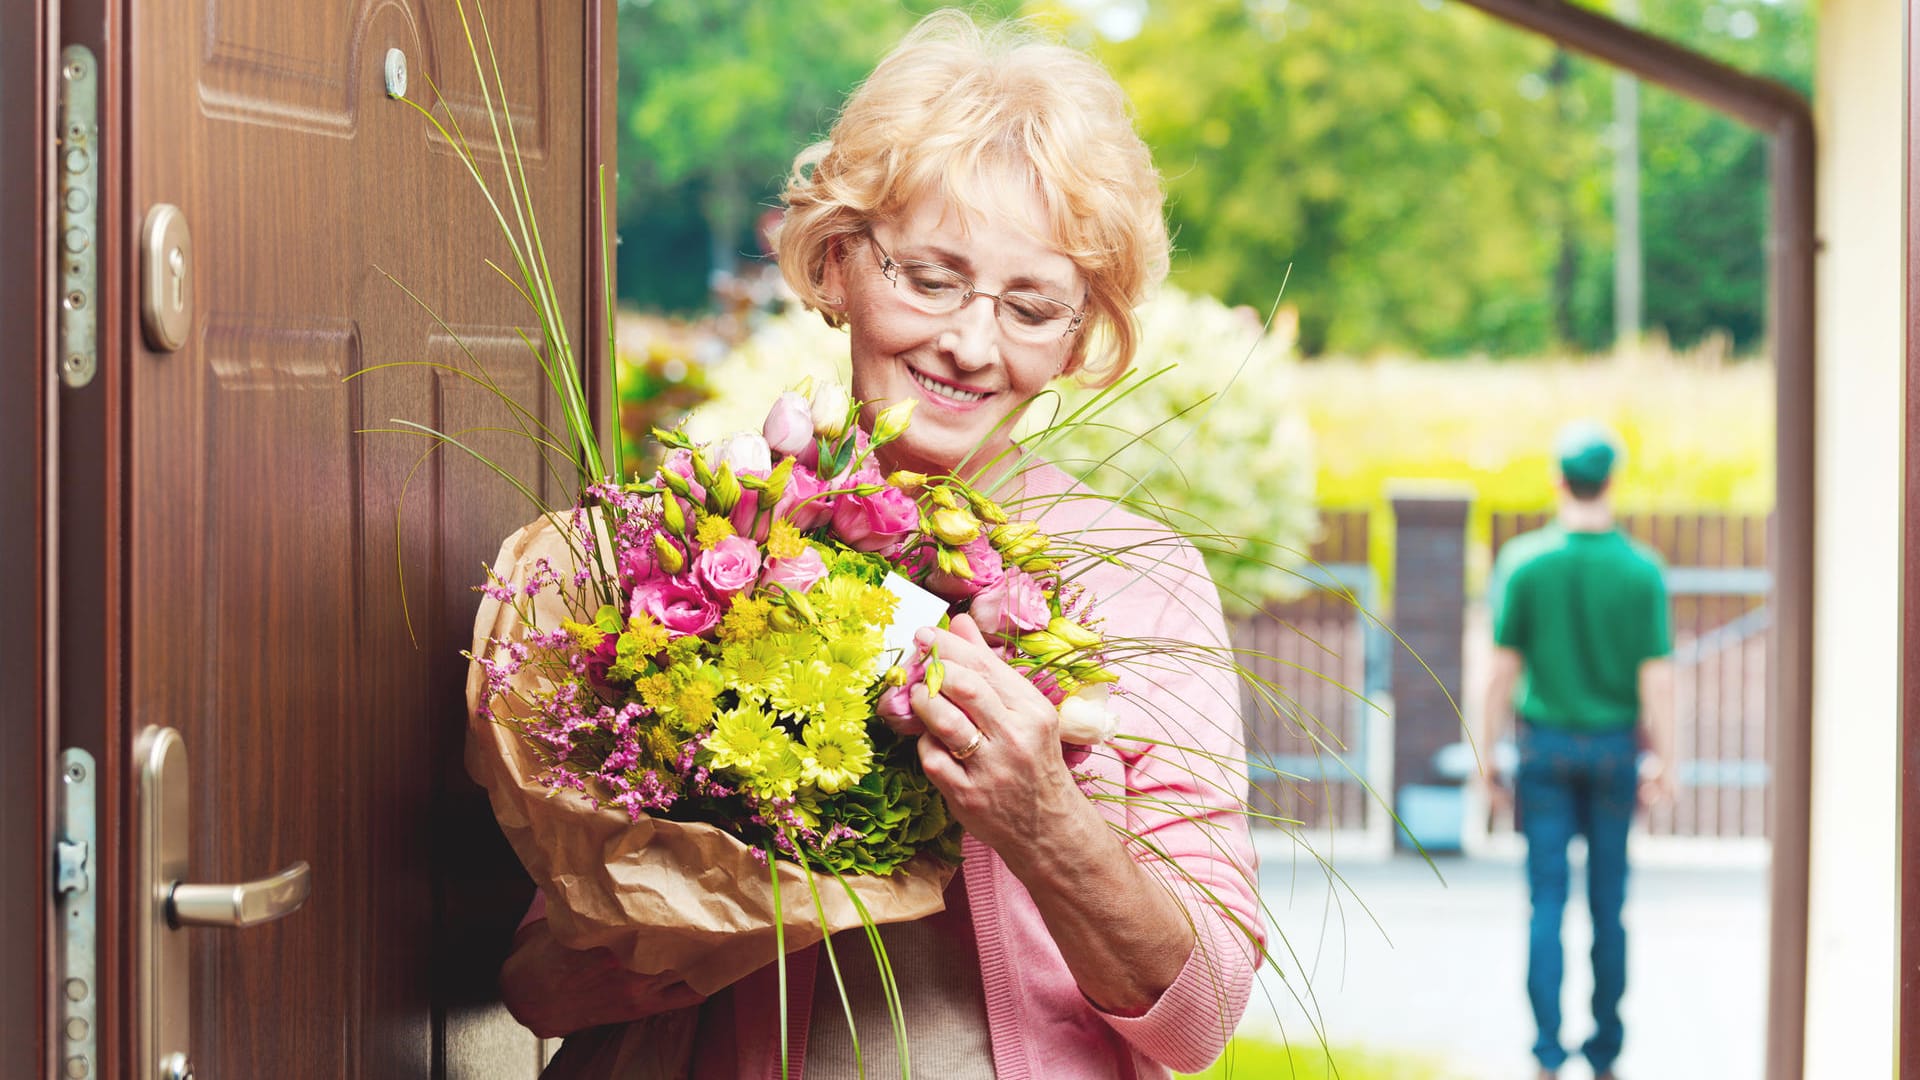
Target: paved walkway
(1443,974)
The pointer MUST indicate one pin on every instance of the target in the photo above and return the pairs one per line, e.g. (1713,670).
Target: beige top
(935,966)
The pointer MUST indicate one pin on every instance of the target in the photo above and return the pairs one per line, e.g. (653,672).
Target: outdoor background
(1442,196)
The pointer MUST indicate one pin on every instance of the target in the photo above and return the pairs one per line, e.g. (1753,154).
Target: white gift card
(918,608)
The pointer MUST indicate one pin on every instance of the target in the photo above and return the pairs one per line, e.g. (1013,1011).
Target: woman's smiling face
(971,380)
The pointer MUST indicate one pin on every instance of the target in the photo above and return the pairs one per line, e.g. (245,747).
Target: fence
(1318,660)
(1718,580)
(1319,734)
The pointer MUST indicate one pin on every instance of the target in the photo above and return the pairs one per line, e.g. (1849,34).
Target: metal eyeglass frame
(890,267)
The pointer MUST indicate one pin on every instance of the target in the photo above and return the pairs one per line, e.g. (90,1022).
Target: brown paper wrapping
(664,896)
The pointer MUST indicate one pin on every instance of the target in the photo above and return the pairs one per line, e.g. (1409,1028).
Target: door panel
(268,541)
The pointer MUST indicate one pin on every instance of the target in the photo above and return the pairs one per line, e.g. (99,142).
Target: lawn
(1255,1059)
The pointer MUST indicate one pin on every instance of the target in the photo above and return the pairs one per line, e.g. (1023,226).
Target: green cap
(1586,451)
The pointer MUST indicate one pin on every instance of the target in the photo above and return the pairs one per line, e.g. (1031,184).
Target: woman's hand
(557,991)
(992,747)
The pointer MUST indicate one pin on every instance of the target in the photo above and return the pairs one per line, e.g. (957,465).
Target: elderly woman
(982,219)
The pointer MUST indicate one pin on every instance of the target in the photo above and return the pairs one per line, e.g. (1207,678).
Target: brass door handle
(249,903)
(166,904)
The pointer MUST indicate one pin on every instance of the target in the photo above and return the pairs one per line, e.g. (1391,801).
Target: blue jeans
(1572,782)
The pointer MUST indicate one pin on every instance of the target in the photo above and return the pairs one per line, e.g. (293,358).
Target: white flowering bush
(781,351)
(1241,466)
(1218,454)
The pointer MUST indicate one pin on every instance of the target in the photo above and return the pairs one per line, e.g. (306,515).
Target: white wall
(1852,937)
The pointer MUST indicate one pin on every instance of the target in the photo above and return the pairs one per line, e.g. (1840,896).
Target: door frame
(1784,116)
(1907,856)
(27,36)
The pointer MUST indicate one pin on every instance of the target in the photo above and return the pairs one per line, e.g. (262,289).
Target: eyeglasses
(936,290)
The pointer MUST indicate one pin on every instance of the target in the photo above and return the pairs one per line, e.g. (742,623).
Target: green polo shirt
(1583,610)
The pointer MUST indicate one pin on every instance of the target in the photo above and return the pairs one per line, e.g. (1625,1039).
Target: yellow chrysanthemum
(846,710)
(746,619)
(648,635)
(784,540)
(856,650)
(750,669)
(876,605)
(803,688)
(835,756)
(739,740)
(780,769)
(838,598)
(695,687)
(712,529)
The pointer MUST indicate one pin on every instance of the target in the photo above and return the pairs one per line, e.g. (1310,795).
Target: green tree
(716,97)
(1390,152)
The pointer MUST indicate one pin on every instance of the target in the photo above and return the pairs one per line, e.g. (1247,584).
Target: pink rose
(789,426)
(1012,605)
(728,566)
(987,566)
(677,603)
(797,574)
(798,503)
(877,522)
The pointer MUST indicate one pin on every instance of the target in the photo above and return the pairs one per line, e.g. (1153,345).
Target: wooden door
(266,537)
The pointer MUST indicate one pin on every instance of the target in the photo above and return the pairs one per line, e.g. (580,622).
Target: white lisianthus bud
(1085,719)
(830,407)
(746,451)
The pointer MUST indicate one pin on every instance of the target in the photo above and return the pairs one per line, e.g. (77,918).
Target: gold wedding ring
(970,749)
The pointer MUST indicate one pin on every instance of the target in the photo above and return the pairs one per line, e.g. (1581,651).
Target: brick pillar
(1429,614)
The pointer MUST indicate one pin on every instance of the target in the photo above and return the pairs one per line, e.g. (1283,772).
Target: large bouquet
(711,656)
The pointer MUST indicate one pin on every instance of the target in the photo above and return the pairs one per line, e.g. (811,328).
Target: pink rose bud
(789,426)
(728,566)
(796,575)
(680,463)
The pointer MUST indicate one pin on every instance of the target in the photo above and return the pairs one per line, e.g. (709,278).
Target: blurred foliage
(1440,183)
(1698,433)
(716,97)
(660,374)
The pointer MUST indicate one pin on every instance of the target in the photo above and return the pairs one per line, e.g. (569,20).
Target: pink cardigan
(1040,1024)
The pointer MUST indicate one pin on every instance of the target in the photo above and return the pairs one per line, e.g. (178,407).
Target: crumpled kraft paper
(663,896)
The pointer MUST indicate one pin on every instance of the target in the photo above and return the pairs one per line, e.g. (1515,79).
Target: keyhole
(177,265)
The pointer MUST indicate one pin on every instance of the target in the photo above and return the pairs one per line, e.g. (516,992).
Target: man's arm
(1656,717)
(1495,707)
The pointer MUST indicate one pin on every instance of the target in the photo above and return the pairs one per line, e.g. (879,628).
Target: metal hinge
(75,874)
(77,247)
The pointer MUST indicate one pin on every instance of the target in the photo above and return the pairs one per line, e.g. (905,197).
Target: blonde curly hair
(951,109)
